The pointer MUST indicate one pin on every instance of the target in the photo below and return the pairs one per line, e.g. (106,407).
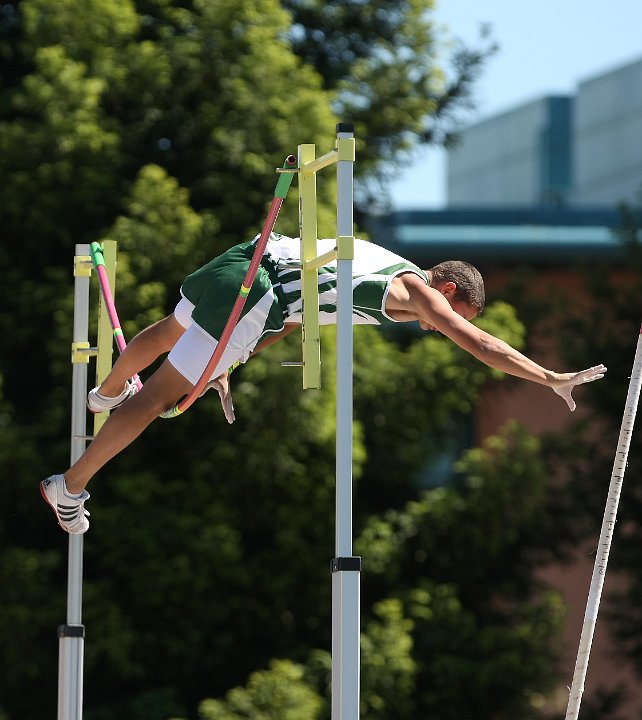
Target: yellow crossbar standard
(309,165)
(71,634)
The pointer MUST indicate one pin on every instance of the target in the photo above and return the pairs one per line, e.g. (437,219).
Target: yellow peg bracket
(81,352)
(346,149)
(82,266)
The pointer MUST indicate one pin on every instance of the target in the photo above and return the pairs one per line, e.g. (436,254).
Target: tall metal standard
(346,569)
(71,635)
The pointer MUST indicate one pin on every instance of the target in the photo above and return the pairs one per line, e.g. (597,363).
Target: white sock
(110,397)
(74,496)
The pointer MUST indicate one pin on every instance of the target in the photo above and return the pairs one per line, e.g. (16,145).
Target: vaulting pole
(606,535)
(99,254)
(280,193)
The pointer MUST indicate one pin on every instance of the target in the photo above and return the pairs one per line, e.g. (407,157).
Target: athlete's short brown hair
(467,278)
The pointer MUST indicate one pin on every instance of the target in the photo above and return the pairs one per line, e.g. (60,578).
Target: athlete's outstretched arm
(432,309)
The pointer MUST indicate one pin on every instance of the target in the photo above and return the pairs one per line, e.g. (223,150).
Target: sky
(546,47)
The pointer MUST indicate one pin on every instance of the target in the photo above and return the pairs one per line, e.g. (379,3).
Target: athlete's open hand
(222,385)
(565,382)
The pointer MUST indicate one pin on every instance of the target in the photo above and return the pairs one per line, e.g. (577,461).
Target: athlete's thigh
(166,385)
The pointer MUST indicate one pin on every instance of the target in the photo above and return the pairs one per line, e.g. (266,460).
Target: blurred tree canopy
(159,124)
(386,60)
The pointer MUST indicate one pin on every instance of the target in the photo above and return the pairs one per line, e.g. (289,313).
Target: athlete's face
(467,310)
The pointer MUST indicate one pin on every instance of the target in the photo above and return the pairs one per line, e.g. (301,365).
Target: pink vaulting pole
(99,264)
(279,195)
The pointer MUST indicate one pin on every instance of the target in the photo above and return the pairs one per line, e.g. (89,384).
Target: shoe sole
(46,499)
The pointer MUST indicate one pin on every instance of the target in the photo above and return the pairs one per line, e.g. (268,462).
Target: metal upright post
(345,568)
(72,634)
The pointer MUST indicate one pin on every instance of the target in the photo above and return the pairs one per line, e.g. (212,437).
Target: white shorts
(195,348)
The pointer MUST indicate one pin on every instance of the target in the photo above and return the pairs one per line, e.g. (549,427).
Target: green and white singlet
(275,297)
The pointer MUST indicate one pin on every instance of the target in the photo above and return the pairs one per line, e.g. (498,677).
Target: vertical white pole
(71,635)
(345,567)
(606,535)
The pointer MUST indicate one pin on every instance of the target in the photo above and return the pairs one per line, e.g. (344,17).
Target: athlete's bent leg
(159,393)
(141,352)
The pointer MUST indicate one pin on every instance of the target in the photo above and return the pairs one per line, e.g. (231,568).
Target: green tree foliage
(386,60)
(159,124)
(110,90)
(279,693)
(462,560)
(138,123)
(457,626)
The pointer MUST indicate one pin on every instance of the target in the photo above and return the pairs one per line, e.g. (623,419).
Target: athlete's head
(467,279)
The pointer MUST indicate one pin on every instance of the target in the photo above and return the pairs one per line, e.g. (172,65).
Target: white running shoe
(70,512)
(98,403)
